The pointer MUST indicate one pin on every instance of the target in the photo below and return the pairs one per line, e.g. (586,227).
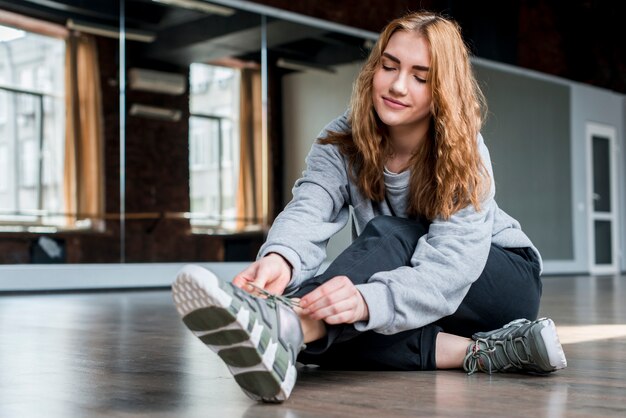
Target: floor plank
(126,354)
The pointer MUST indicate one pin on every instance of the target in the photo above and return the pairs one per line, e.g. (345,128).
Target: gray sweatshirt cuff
(291,256)
(380,306)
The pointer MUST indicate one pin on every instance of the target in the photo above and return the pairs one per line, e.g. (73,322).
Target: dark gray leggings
(508,288)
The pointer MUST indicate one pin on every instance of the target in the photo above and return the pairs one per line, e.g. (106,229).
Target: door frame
(606,131)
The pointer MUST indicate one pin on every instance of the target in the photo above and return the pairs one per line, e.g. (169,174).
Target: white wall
(310,101)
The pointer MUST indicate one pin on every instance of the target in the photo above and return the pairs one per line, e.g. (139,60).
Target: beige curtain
(250,187)
(84,171)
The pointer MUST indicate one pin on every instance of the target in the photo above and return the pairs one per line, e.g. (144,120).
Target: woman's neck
(404,143)
(398,163)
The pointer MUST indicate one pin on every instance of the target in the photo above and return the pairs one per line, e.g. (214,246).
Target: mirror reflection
(201,156)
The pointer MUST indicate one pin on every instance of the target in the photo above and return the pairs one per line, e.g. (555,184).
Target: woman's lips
(394,104)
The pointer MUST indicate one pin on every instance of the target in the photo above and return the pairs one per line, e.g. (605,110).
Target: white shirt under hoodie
(446,261)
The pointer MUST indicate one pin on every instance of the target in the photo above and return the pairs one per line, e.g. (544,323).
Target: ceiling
(183,36)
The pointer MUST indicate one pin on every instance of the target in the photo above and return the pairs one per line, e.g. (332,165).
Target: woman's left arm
(446,261)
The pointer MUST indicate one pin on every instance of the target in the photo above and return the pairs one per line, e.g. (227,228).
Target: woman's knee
(392,225)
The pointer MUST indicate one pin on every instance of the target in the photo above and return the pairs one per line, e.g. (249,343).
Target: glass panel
(183,136)
(604,243)
(601,174)
(172,169)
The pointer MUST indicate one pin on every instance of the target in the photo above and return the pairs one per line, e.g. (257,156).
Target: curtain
(250,187)
(84,171)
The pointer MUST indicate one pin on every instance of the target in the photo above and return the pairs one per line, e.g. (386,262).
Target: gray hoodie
(446,261)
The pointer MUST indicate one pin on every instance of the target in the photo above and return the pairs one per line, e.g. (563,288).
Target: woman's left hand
(337,301)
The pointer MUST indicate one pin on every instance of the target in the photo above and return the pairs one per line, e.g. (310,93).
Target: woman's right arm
(296,243)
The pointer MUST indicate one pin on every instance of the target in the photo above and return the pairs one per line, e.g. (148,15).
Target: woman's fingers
(246,276)
(324,294)
(341,308)
(336,301)
(270,273)
(254,274)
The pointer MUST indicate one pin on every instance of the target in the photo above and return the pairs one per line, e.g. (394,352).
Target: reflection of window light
(198,149)
(8,34)
(37,65)
(3,106)
(223,76)
(27,79)
(4,165)
(44,79)
(29,164)
(48,169)
(227,143)
(199,76)
(26,104)
(214,102)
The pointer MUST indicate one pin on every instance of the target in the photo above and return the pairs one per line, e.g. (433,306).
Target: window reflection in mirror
(32,111)
(225,147)
(53,148)
(194,167)
(212,141)
(213,145)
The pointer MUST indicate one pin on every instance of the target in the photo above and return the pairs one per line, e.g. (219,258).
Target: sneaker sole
(233,328)
(553,344)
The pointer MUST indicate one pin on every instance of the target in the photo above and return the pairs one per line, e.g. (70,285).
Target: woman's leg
(386,243)
(407,350)
(520,346)
(509,288)
(450,350)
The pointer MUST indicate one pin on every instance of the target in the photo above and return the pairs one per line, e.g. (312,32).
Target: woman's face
(401,93)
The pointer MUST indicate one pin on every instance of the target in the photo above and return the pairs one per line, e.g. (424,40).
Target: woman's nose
(399,85)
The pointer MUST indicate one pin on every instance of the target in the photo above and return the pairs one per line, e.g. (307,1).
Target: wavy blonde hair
(447,172)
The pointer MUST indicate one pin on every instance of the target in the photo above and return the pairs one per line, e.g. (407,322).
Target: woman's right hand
(271,273)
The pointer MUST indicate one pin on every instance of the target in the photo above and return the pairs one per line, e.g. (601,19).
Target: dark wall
(581,40)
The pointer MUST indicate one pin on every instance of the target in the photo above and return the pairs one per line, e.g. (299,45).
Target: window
(32,118)
(213,145)
(4,161)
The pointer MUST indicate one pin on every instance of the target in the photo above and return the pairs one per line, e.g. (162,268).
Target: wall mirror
(185,155)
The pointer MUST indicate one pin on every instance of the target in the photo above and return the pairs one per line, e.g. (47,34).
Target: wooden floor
(127,354)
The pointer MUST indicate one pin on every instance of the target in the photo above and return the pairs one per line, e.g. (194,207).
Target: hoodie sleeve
(446,261)
(317,211)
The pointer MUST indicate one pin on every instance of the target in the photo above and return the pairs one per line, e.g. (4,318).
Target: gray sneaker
(519,346)
(258,339)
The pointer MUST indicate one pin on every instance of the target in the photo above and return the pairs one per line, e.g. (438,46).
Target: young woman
(436,261)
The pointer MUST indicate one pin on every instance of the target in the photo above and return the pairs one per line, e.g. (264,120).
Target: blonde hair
(447,172)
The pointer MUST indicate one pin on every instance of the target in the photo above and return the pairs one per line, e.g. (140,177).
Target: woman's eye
(419,80)
(387,68)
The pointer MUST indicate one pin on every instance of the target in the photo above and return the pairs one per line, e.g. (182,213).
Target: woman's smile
(394,104)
